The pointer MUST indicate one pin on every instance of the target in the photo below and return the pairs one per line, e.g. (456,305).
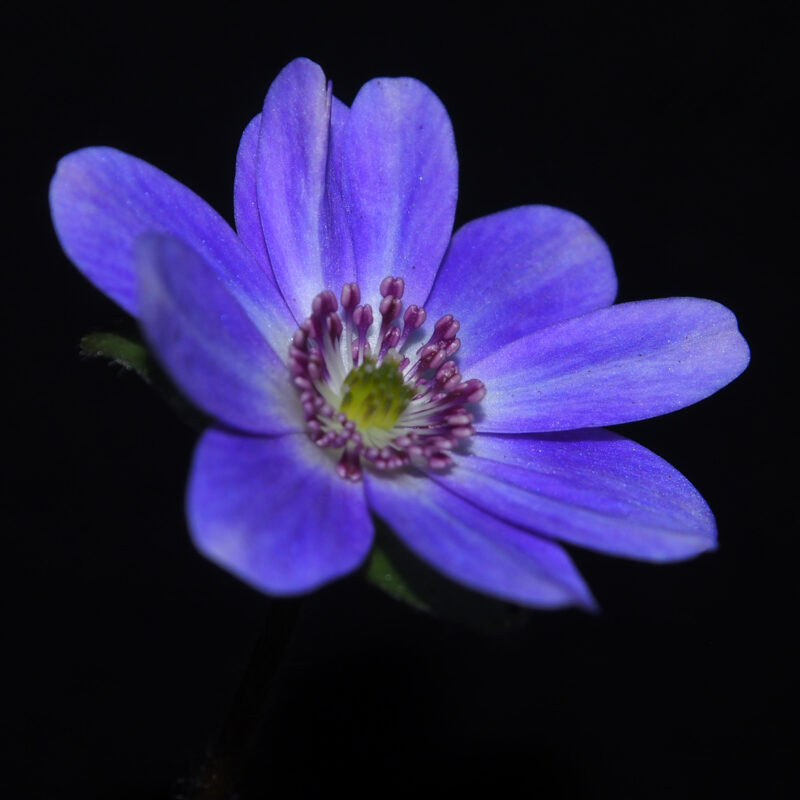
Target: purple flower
(329,406)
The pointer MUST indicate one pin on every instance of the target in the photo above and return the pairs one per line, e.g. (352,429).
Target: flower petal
(475,548)
(245,195)
(207,343)
(615,365)
(400,184)
(273,512)
(102,200)
(592,488)
(301,212)
(511,273)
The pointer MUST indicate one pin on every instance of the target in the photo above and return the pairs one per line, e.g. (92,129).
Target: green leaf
(381,572)
(129,351)
(394,569)
(126,351)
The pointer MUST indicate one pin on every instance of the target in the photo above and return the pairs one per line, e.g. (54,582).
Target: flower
(322,338)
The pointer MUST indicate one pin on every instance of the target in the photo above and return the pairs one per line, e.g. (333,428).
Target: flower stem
(219,775)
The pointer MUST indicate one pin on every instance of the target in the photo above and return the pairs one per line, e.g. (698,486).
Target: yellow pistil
(375,395)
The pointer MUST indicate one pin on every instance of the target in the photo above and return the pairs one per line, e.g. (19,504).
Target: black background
(662,127)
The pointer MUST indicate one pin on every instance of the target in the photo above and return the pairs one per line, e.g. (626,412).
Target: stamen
(388,410)
(390,307)
(412,319)
(362,318)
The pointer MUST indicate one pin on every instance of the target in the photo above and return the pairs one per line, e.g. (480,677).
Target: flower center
(375,394)
(363,395)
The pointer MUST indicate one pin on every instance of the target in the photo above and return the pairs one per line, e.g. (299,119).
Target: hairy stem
(218,777)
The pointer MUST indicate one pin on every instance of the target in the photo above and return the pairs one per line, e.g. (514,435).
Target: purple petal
(301,212)
(337,248)
(475,548)
(273,512)
(591,488)
(245,196)
(511,273)
(208,344)
(102,200)
(400,184)
(619,364)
